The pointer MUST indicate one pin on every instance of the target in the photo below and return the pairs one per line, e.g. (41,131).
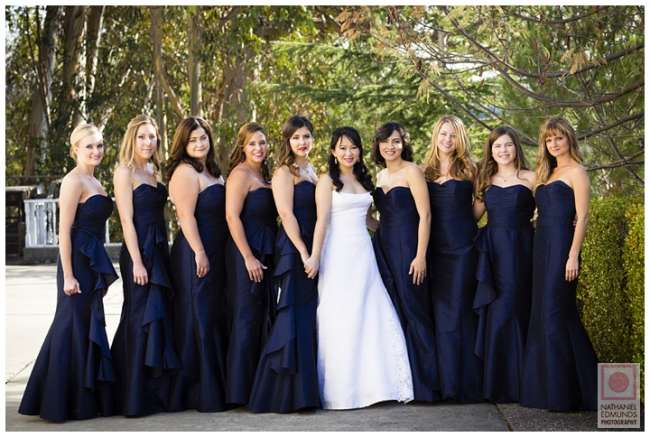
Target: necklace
(306,171)
(505,178)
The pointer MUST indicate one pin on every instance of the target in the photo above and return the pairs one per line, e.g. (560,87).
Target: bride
(362,357)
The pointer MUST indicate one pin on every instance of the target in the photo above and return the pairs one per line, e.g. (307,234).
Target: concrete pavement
(30,304)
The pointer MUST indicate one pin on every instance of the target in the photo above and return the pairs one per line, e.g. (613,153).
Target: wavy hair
(286,154)
(462,166)
(127,147)
(382,134)
(488,167)
(237,154)
(545,161)
(179,153)
(359,169)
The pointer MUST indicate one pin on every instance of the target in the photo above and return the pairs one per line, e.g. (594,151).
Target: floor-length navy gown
(200,330)
(286,378)
(73,373)
(396,243)
(502,299)
(143,347)
(248,301)
(560,364)
(452,284)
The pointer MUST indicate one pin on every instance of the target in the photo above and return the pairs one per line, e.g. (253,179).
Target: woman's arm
(371,221)
(69,196)
(184,190)
(236,191)
(323,206)
(580,181)
(124,200)
(418,185)
(282,185)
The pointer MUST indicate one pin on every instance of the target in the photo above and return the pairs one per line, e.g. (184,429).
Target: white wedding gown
(362,357)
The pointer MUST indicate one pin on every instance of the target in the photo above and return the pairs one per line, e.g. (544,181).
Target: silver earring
(336,161)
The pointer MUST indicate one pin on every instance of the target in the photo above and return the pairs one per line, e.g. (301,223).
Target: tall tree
(196,37)
(41,98)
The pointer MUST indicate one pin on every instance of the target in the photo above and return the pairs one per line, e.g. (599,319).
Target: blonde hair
(80,132)
(462,166)
(545,161)
(127,147)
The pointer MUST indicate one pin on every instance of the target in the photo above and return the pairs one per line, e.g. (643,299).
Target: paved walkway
(30,302)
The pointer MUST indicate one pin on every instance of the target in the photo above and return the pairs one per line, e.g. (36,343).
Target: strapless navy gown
(452,284)
(396,243)
(248,301)
(143,347)
(502,299)
(560,364)
(286,378)
(73,374)
(199,310)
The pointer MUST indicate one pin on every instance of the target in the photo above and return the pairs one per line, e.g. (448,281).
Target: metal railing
(41,223)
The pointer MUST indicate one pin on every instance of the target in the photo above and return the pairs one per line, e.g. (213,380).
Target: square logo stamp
(618,395)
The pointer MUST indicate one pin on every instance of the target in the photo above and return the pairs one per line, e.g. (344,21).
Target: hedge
(611,282)
(633,264)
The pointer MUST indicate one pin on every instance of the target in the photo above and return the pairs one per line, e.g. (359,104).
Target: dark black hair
(359,169)
(382,134)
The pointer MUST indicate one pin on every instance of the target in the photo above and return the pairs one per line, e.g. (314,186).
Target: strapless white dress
(362,356)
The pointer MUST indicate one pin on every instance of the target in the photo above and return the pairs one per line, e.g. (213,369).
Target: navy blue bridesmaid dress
(560,364)
(73,374)
(248,301)
(143,347)
(502,300)
(452,284)
(286,379)
(396,243)
(199,310)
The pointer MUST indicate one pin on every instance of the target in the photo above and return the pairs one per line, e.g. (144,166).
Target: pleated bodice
(259,218)
(304,209)
(555,203)
(509,207)
(92,214)
(452,219)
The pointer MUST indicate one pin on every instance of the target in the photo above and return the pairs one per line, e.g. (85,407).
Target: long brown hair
(127,147)
(286,154)
(462,166)
(237,154)
(488,167)
(545,161)
(179,154)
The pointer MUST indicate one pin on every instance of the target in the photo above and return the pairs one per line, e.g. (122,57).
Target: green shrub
(601,287)
(633,263)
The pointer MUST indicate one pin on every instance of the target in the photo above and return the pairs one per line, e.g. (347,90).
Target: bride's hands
(311,266)
(418,269)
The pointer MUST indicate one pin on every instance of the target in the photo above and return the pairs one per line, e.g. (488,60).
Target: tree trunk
(159,71)
(41,98)
(156,40)
(196,33)
(93,35)
(73,26)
